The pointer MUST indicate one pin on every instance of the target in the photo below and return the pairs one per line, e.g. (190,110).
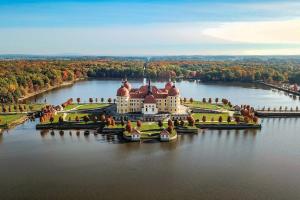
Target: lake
(244,164)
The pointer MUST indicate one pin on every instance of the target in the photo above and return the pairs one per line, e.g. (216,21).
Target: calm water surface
(263,164)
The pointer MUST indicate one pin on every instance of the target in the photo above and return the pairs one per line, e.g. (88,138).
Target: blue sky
(220,27)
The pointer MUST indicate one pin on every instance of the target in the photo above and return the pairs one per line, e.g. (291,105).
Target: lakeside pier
(281,88)
(270,113)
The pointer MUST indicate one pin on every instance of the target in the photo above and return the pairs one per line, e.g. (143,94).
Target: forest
(21,77)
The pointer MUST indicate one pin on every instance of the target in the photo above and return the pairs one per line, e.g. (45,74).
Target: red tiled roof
(150,99)
(122,91)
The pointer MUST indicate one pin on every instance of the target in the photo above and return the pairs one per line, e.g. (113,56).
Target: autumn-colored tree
(113,122)
(170,123)
(246,119)
(255,120)
(78,100)
(191,120)
(237,119)
(139,123)
(128,126)
(108,121)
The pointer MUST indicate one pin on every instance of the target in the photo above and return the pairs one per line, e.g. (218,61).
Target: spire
(149,86)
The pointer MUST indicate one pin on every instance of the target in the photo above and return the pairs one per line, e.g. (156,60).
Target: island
(148,113)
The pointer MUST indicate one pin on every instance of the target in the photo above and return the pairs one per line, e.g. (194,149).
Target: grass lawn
(7,119)
(199,104)
(67,115)
(209,116)
(28,107)
(93,106)
(86,106)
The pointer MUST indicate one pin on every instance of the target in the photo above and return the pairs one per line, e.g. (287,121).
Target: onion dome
(123,92)
(127,85)
(168,85)
(149,99)
(173,91)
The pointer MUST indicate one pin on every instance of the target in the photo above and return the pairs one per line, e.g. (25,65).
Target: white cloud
(280,32)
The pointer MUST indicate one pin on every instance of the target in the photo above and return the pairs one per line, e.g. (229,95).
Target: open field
(86,106)
(210,106)
(25,107)
(6,120)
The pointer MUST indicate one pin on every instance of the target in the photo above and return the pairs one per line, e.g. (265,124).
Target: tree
(78,100)
(109,100)
(181,122)
(108,121)
(220,119)
(77,119)
(184,100)
(86,119)
(204,118)
(70,119)
(237,119)
(210,100)
(191,120)
(61,119)
(102,118)
(228,119)
(160,123)
(204,100)
(191,100)
(122,122)
(139,123)
(217,100)
(51,119)
(102,100)
(176,123)
(255,120)
(113,122)
(91,100)
(246,119)
(170,123)
(128,126)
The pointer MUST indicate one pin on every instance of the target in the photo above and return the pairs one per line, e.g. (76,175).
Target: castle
(148,99)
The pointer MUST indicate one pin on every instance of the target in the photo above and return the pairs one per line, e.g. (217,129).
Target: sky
(157,27)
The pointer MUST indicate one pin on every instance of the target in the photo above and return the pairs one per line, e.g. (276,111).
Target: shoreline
(64,84)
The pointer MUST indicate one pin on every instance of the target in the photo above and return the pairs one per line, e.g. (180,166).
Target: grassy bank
(9,120)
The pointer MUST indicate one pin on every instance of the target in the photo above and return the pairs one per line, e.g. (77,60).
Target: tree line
(19,78)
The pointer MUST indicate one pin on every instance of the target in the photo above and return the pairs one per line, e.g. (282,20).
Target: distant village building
(148,99)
